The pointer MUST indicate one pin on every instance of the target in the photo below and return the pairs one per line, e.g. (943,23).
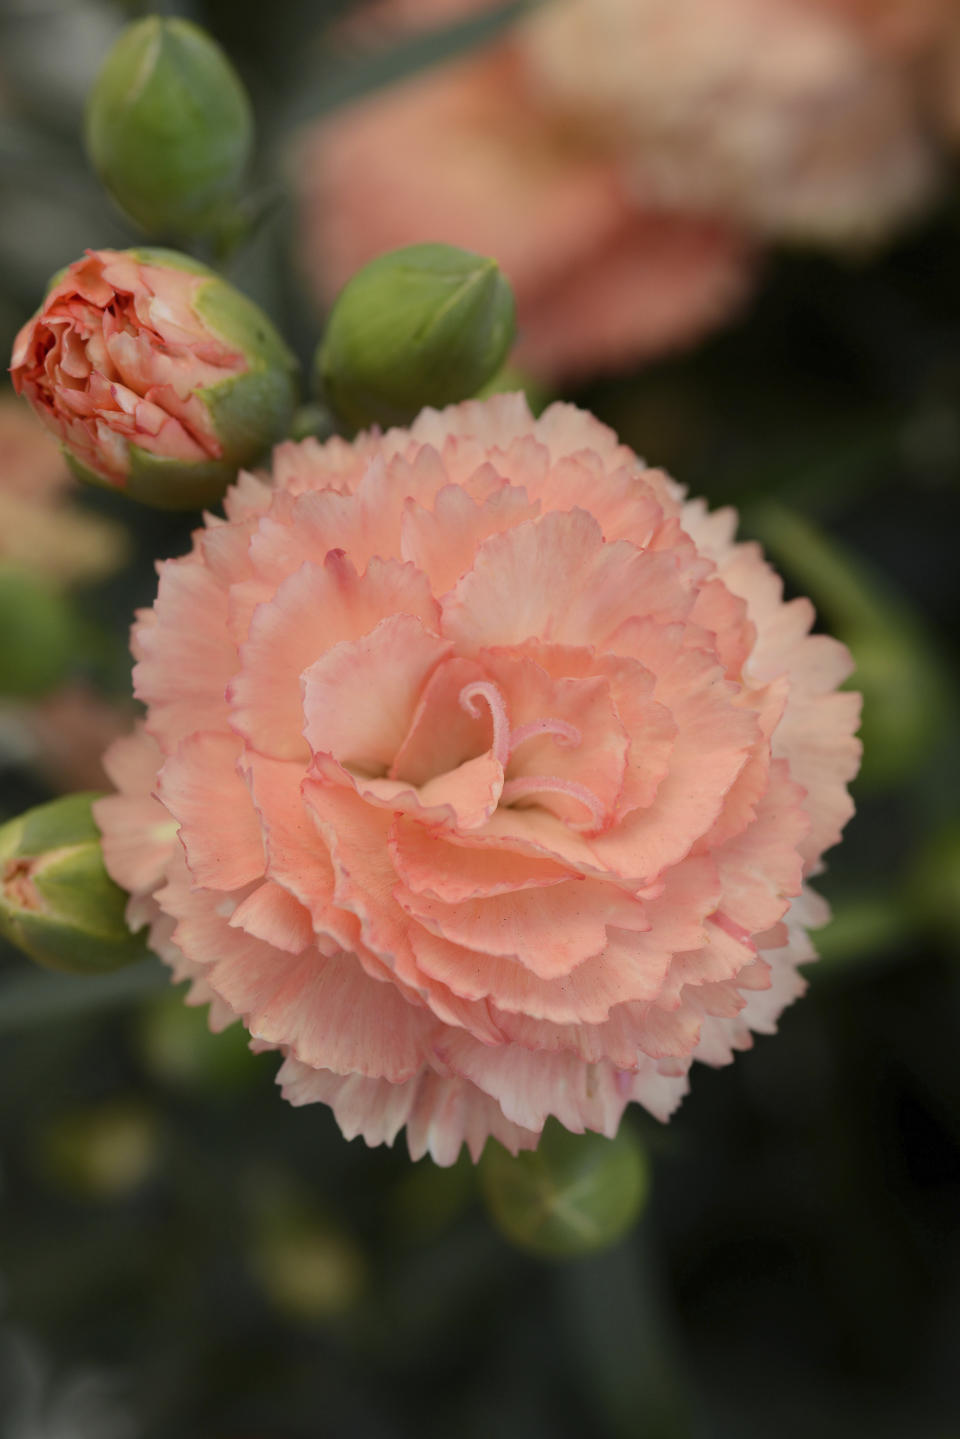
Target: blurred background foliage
(182,1253)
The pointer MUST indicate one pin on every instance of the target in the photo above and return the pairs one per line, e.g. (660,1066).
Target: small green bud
(169,128)
(574,1194)
(39,634)
(57,902)
(426,325)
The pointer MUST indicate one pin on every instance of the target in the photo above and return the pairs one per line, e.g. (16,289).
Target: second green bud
(57,902)
(169,128)
(425,325)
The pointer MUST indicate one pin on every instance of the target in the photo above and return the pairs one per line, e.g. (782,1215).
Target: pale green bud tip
(426,325)
(169,128)
(574,1194)
(57,902)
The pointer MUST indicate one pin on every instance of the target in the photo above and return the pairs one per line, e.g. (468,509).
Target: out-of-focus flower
(424,325)
(603,275)
(67,733)
(615,155)
(169,127)
(497,769)
(159,378)
(776,113)
(40,529)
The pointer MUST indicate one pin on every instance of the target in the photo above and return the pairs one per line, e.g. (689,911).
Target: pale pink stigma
(540,784)
(485,690)
(565,734)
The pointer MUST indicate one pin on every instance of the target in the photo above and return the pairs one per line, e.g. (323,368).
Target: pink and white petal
(565,430)
(761,869)
(249,496)
(493,423)
(442,542)
(327,1011)
(714,740)
(375,1109)
(272,914)
(555,579)
(529,1087)
(597,760)
(549,930)
(625,505)
(659,1092)
(449,1112)
(359,698)
(201,786)
(313,610)
(443,733)
(139,835)
(296,856)
(186,656)
(817,738)
(428,864)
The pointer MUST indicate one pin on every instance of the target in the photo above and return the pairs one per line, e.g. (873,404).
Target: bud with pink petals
(158,377)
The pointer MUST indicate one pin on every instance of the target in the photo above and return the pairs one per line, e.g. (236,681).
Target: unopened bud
(169,127)
(159,378)
(426,325)
(57,902)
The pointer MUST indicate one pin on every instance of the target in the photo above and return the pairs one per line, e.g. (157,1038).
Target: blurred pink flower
(496,768)
(66,733)
(603,275)
(113,359)
(778,113)
(41,529)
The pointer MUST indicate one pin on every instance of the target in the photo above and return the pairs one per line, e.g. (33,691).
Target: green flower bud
(169,127)
(57,902)
(426,325)
(574,1194)
(195,385)
(39,634)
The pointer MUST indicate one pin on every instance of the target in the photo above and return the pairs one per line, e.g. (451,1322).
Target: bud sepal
(57,902)
(424,325)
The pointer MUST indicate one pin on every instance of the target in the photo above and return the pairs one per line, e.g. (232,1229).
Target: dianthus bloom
(113,360)
(788,116)
(157,376)
(480,776)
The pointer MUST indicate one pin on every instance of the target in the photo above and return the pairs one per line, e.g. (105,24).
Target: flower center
(507,741)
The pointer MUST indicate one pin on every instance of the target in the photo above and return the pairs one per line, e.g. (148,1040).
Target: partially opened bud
(159,378)
(57,902)
(169,127)
(426,325)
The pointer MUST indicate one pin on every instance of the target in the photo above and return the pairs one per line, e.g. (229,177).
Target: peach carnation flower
(114,359)
(480,776)
(785,115)
(604,275)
